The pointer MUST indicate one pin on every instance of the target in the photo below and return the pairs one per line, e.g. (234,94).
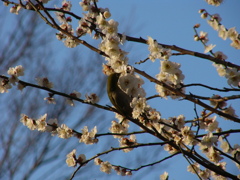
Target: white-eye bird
(119,98)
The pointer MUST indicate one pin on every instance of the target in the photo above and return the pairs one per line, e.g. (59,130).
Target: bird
(120,100)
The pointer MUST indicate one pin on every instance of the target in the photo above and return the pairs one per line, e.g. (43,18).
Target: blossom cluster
(171,75)
(92,98)
(223,32)
(14,73)
(157,51)
(164,176)
(223,106)
(206,173)
(44,82)
(74,94)
(131,84)
(214,2)
(15,9)
(72,160)
(128,142)
(88,137)
(184,136)
(119,128)
(66,33)
(62,131)
(175,129)
(231,74)
(40,124)
(203,37)
(107,167)
(96,19)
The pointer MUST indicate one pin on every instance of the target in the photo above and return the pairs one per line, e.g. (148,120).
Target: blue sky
(170,22)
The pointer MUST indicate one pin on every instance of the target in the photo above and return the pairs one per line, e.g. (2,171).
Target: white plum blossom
(209,140)
(70,43)
(208,48)
(193,168)
(81,158)
(212,124)
(39,124)
(85,5)
(188,135)
(170,149)
(180,121)
(92,98)
(232,33)
(138,105)
(106,167)
(101,21)
(205,174)
(97,161)
(50,100)
(213,155)
(66,5)
(107,14)
(131,84)
(229,110)
(170,67)
(220,69)
(44,82)
(52,125)
(204,15)
(117,57)
(61,17)
(111,28)
(236,152)
(88,137)
(71,158)
(153,114)
(203,36)
(225,145)
(128,142)
(4,85)
(214,2)
(30,123)
(164,176)
(15,72)
(64,132)
(220,55)
(118,128)
(232,74)
(222,32)
(74,94)
(157,51)
(214,24)
(236,43)
(171,75)
(15,9)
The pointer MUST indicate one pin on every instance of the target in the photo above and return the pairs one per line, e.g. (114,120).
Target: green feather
(118,98)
